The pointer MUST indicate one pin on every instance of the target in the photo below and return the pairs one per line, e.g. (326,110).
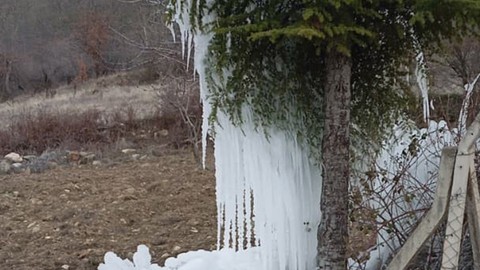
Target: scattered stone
(143,157)
(193,222)
(36,229)
(73,156)
(165,255)
(177,248)
(86,158)
(163,132)
(159,241)
(158,151)
(29,157)
(54,156)
(5,167)
(65,266)
(84,253)
(36,201)
(96,163)
(18,167)
(135,156)
(14,158)
(52,165)
(38,166)
(129,151)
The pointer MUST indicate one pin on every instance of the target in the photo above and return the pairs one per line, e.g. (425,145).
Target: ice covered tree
(326,70)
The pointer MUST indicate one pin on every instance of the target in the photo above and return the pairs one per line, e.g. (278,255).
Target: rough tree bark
(333,229)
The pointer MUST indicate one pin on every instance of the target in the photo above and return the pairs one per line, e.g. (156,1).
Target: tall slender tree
(329,65)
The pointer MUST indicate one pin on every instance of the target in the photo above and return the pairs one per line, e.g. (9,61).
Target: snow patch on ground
(224,259)
(141,261)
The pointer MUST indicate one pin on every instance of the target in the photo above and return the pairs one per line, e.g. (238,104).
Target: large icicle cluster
(268,190)
(268,193)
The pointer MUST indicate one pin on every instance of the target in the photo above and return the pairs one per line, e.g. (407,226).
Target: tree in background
(92,34)
(331,65)
(51,35)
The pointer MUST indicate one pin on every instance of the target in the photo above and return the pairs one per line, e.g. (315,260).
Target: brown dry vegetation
(100,113)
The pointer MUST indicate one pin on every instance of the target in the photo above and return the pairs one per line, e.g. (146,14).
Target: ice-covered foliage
(141,261)
(401,185)
(268,188)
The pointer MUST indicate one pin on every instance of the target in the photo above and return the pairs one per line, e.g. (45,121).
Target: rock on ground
(14,158)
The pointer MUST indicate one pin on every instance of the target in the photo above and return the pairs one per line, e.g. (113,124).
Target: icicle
(421,73)
(422,81)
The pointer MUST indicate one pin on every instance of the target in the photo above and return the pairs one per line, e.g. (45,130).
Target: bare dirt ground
(68,218)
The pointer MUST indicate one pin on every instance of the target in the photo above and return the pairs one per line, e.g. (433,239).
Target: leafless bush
(179,100)
(35,132)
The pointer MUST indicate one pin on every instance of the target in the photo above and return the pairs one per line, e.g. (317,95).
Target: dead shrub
(33,132)
(92,33)
(36,132)
(180,108)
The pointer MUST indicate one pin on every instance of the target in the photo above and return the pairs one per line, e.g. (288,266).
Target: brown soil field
(68,218)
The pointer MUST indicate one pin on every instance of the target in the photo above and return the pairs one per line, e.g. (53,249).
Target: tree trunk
(8,67)
(333,229)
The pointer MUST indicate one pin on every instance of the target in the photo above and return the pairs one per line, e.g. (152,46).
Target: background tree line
(46,43)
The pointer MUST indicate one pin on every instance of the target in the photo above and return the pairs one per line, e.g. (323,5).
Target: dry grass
(35,132)
(107,94)
(97,114)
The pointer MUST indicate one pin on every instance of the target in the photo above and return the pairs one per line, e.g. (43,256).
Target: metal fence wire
(450,247)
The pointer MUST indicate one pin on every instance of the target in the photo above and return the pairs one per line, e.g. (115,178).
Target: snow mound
(141,261)
(224,259)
